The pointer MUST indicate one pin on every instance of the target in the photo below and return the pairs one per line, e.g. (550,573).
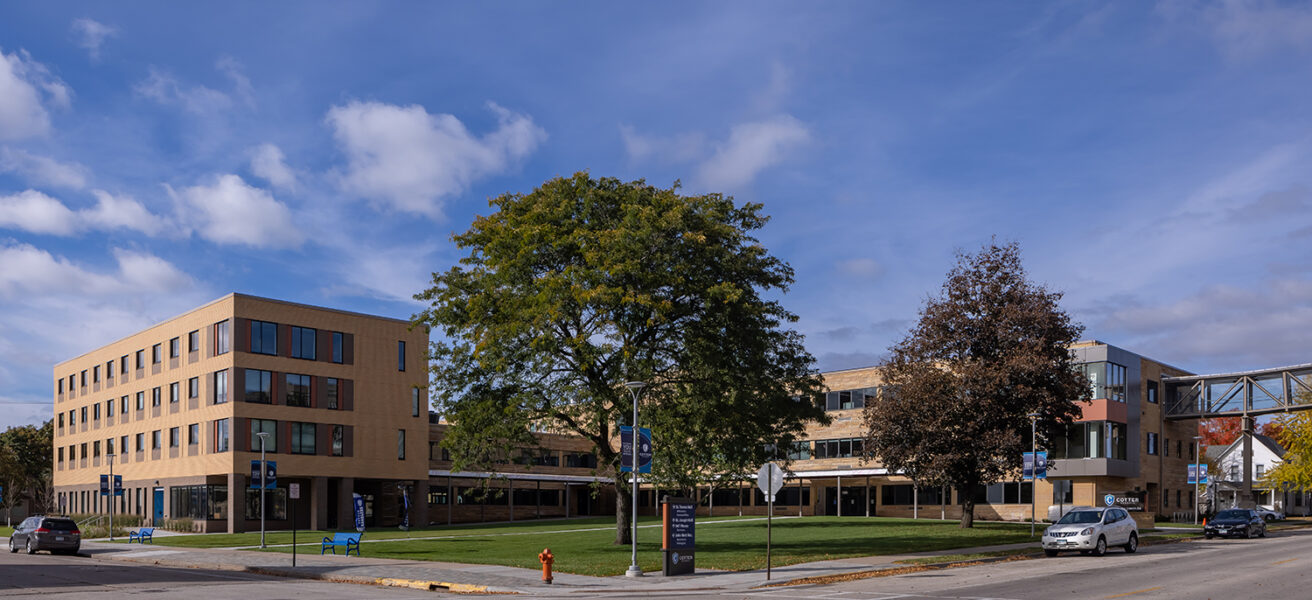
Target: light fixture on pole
(1034,466)
(634,388)
(1198,472)
(264,474)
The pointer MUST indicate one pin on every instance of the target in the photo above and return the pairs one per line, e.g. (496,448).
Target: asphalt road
(73,577)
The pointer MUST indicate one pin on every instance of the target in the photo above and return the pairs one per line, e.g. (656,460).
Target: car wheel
(1100,548)
(31,548)
(1133,545)
(1262,533)
(1050,553)
(12,546)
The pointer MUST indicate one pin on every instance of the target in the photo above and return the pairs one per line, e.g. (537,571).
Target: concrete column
(1247,494)
(236,502)
(510,491)
(419,505)
(345,506)
(319,503)
(450,500)
(839,500)
(566,500)
(869,499)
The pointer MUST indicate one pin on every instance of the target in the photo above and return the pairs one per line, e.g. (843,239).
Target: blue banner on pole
(626,449)
(118,485)
(256,476)
(104,485)
(1030,465)
(358,501)
(1195,471)
(405,516)
(271,475)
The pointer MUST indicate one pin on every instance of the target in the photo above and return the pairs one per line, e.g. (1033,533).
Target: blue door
(159,507)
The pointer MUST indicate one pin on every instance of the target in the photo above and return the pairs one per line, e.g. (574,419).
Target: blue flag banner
(1032,463)
(271,475)
(1196,471)
(118,485)
(405,516)
(626,449)
(104,485)
(255,474)
(358,502)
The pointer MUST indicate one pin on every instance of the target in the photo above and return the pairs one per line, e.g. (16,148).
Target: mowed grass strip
(5,532)
(730,546)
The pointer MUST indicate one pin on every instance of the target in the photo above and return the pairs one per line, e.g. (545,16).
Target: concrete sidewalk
(469,578)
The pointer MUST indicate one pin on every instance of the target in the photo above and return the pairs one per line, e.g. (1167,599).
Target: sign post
(294,493)
(678,536)
(770,479)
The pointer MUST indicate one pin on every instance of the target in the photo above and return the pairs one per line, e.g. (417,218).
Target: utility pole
(634,388)
(264,474)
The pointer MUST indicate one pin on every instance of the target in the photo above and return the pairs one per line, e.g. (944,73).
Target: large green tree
(988,351)
(585,283)
(1294,471)
(25,465)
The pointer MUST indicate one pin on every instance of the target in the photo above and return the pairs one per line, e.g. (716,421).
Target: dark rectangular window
(337,440)
(109,446)
(95,374)
(264,337)
(123,405)
(193,387)
(400,445)
(141,400)
(1166,447)
(84,378)
(330,393)
(400,356)
(175,347)
(141,442)
(259,386)
(220,387)
(109,370)
(1151,386)
(173,437)
(337,347)
(123,364)
(193,434)
(221,435)
(95,411)
(222,343)
(141,359)
(193,341)
(60,382)
(173,393)
(84,415)
(268,426)
(1152,443)
(414,402)
(303,343)
(109,407)
(155,354)
(298,390)
(154,440)
(303,438)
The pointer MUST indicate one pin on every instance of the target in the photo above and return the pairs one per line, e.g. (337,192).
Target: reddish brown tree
(1273,429)
(988,351)
(1221,431)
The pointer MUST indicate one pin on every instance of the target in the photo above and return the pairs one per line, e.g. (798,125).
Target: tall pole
(1198,472)
(1034,466)
(110,455)
(264,474)
(634,571)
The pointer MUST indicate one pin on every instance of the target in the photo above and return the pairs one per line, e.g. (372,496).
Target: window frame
(263,335)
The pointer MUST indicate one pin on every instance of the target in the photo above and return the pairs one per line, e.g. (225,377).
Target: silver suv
(1091,531)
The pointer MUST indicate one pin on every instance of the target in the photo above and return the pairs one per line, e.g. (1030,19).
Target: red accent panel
(1104,410)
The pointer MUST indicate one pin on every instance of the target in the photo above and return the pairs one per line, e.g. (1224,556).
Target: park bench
(142,535)
(347,540)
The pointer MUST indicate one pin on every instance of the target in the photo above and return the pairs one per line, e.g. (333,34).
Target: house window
(193,434)
(123,444)
(123,405)
(400,444)
(303,343)
(338,431)
(268,426)
(258,386)
(173,437)
(221,435)
(141,359)
(303,438)
(298,390)
(220,387)
(1260,470)
(123,365)
(95,374)
(95,411)
(109,370)
(109,407)
(1166,447)
(193,387)
(175,348)
(141,400)
(154,354)
(84,415)
(84,378)
(400,356)
(173,393)
(330,392)
(154,396)
(1191,450)
(154,440)
(222,342)
(337,347)
(141,442)
(1178,448)
(264,337)
(1106,380)
(193,341)
(1152,443)
(61,386)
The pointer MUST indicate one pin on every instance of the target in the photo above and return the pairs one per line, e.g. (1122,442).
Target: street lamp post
(1034,466)
(634,388)
(264,474)
(1198,472)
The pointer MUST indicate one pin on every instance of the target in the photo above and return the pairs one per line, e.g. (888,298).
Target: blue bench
(143,535)
(348,540)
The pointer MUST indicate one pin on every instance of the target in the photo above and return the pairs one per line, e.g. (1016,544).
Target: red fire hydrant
(546,558)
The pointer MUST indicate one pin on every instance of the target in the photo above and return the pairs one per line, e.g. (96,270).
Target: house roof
(1237,445)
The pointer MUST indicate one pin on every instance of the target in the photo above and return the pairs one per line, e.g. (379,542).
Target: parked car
(59,535)
(1235,522)
(1057,511)
(1091,531)
(1270,514)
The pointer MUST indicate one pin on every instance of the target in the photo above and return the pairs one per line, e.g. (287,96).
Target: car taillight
(41,530)
(76,532)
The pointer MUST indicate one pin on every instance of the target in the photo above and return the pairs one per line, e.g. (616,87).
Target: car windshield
(1080,517)
(1232,514)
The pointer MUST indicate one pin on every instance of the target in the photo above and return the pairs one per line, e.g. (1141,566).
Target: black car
(56,534)
(1235,522)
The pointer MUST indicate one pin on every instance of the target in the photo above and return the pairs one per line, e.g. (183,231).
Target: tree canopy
(1294,471)
(989,350)
(585,283)
(25,465)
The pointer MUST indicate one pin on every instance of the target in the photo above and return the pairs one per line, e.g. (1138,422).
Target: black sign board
(678,544)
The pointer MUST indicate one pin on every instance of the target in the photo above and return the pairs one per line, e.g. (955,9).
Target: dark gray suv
(59,535)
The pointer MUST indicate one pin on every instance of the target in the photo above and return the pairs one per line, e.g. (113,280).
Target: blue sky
(1151,159)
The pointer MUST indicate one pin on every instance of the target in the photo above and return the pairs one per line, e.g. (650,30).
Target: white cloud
(36,212)
(750,149)
(241,84)
(229,211)
(92,35)
(1244,29)
(164,89)
(411,160)
(41,170)
(861,268)
(268,163)
(679,148)
(32,271)
(26,87)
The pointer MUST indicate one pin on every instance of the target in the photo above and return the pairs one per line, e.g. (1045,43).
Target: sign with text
(294,491)
(626,449)
(104,485)
(1034,463)
(270,481)
(678,539)
(1196,471)
(1131,501)
(118,485)
(358,502)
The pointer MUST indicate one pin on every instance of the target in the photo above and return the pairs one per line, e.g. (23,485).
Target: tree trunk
(968,507)
(623,500)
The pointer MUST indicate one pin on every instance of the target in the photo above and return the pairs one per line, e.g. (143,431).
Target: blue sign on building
(626,449)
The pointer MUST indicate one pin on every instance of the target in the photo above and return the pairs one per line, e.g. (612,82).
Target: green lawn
(732,546)
(5,531)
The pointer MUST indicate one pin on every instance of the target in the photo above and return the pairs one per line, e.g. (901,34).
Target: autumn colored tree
(583,284)
(1221,431)
(1273,429)
(1295,468)
(989,350)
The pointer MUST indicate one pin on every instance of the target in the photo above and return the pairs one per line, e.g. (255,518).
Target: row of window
(541,457)
(92,413)
(303,437)
(1151,447)
(221,346)
(156,441)
(304,342)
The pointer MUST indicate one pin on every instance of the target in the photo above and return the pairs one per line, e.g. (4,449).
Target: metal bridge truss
(1244,394)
